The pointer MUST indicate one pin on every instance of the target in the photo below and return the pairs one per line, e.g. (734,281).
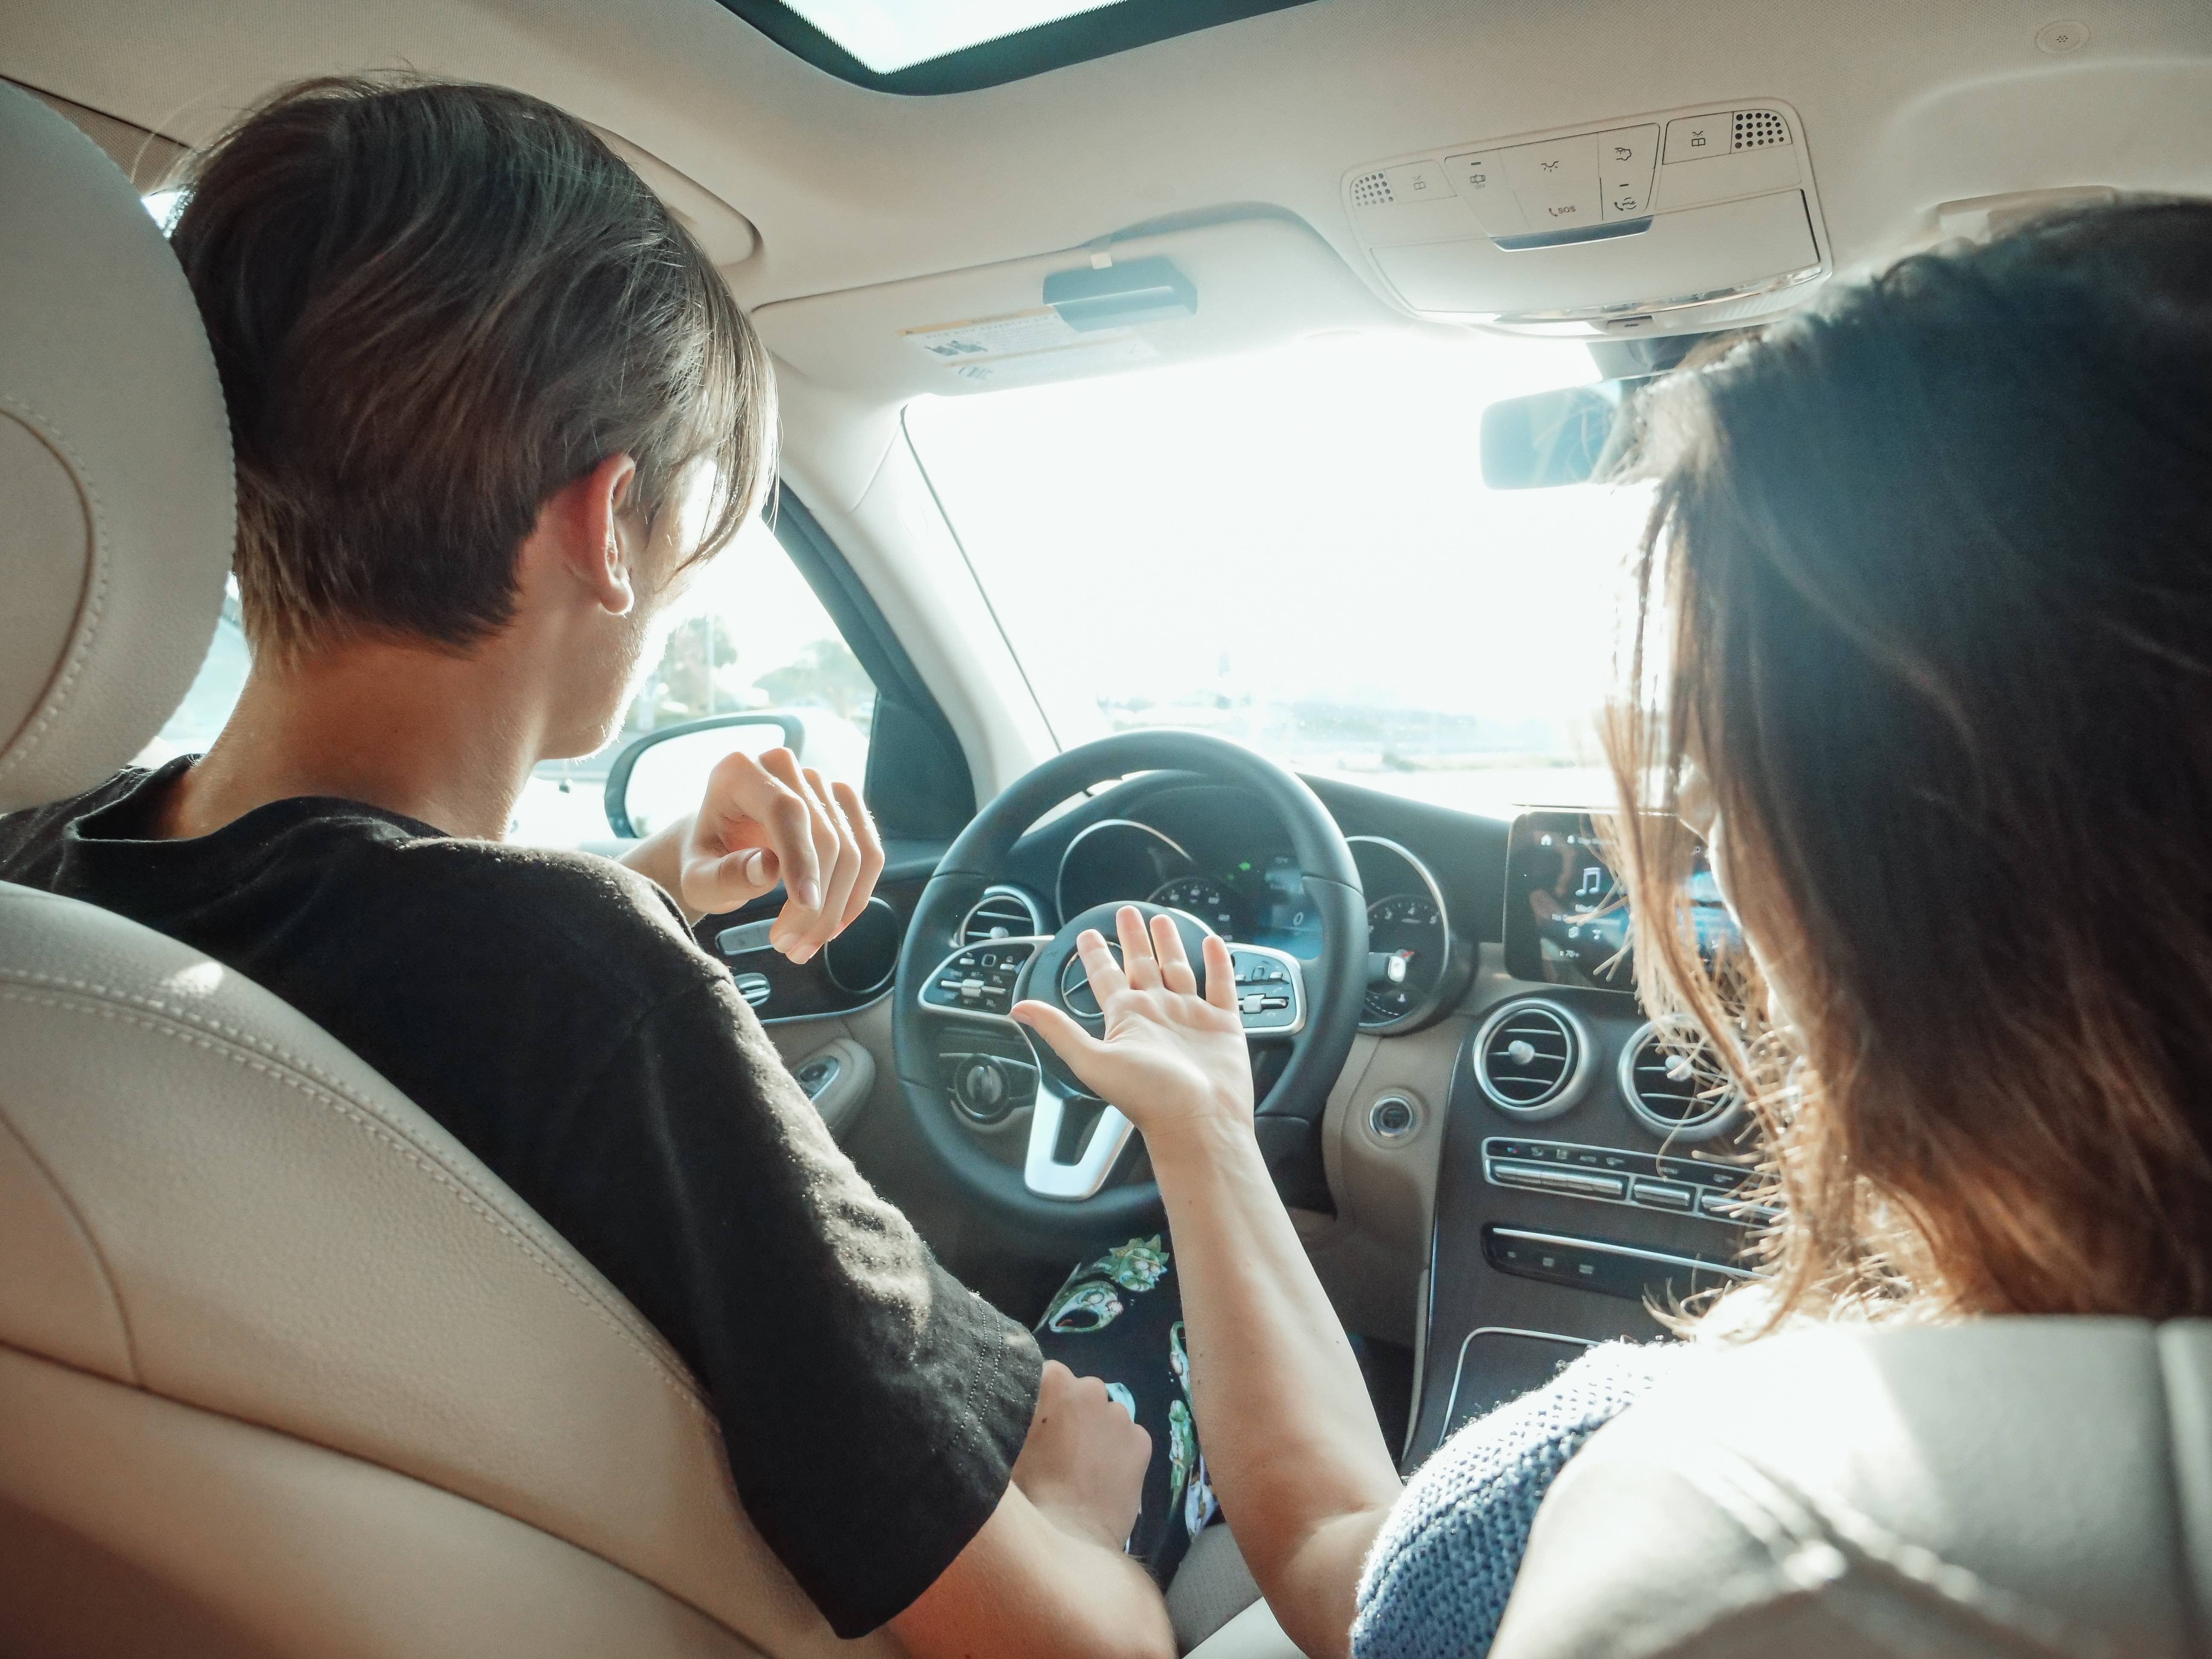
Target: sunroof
(957,45)
(895,34)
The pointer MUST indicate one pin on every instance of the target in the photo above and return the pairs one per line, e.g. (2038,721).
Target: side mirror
(657,778)
(1551,438)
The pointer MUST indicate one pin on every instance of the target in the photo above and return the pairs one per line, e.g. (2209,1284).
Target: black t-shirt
(552,1010)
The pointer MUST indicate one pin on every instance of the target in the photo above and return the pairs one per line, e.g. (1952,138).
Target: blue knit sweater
(1435,1583)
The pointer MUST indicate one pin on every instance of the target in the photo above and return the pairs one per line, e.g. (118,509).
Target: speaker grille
(1757,129)
(1372,190)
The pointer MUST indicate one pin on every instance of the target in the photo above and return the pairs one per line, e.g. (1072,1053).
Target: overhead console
(1678,221)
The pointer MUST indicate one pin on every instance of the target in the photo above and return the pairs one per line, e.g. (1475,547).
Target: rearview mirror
(658,779)
(1552,437)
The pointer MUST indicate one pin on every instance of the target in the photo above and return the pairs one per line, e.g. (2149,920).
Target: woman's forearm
(1291,1444)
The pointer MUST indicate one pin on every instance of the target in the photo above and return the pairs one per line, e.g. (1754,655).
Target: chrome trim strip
(1459,1367)
(1627,1252)
(1060,875)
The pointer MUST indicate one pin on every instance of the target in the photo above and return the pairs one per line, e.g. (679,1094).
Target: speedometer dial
(1203,897)
(1416,966)
(1406,953)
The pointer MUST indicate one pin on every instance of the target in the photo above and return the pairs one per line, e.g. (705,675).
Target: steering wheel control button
(1270,991)
(1678,1186)
(980,979)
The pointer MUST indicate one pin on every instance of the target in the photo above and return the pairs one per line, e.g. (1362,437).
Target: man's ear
(582,532)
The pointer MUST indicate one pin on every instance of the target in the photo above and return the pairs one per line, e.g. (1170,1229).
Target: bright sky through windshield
(1296,549)
(887,35)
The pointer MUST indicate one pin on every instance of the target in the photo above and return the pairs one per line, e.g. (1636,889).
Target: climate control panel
(1724,1193)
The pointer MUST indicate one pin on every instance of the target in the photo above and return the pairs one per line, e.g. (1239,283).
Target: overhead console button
(1557,182)
(1417,181)
(1624,160)
(1692,137)
(1480,177)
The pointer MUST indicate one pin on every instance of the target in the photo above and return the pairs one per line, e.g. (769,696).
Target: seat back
(2005,1487)
(284,1368)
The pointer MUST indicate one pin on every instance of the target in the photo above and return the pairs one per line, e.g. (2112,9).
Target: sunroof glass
(922,48)
(890,35)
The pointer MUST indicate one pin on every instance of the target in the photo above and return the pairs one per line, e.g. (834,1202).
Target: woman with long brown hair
(1922,646)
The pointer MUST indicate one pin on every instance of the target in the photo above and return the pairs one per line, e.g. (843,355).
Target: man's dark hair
(433,305)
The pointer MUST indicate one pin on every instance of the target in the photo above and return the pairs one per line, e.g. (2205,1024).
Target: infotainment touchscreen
(1566,918)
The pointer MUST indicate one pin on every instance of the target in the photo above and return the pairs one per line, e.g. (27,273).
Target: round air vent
(1529,1058)
(1674,1085)
(1001,913)
(862,959)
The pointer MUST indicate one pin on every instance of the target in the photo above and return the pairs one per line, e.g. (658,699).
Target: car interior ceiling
(1513,1162)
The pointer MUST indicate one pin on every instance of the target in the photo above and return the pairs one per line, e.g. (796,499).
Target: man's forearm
(1028,1585)
(1290,1438)
(660,857)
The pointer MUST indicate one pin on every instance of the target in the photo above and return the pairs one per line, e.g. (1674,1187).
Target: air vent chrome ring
(1673,1095)
(1531,1058)
(1001,913)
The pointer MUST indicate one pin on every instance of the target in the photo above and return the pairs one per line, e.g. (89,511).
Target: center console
(1590,1169)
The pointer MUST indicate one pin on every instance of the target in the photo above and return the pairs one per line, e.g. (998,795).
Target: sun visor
(1676,221)
(1192,291)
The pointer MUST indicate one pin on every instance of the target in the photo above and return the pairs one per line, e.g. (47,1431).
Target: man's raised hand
(769,820)
(1170,1059)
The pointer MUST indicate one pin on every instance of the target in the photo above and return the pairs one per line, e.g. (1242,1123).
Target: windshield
(1296,549)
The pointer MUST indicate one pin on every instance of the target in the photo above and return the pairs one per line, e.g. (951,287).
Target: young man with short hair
(490,404)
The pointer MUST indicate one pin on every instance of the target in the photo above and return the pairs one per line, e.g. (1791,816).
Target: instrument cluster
(1257,896)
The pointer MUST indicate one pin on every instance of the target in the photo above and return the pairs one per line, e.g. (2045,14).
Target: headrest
(116,493)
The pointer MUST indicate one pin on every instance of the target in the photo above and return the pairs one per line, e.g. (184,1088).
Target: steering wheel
(960,1058)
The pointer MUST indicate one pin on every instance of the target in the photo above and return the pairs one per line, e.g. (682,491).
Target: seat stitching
(88,626)
(379,1130)
(245,1039)
(369,1461)
(91,1240)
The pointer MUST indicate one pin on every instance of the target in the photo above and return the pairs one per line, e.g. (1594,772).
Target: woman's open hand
(1170,1059)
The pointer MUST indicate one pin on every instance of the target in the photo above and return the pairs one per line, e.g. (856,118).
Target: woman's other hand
(1171,1059)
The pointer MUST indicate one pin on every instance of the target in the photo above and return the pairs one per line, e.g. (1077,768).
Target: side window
(748,635)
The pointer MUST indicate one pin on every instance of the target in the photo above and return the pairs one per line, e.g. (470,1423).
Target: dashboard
(1225,863)
(1538,1163)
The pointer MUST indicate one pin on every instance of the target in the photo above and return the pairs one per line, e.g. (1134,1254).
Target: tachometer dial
(1204,897)
(1406,947)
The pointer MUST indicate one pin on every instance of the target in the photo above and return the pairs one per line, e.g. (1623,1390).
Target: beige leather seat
(2006,1489)
(284,1369)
